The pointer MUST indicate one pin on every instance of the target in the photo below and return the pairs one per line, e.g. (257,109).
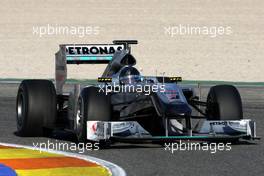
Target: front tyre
(224,103)
(93,105)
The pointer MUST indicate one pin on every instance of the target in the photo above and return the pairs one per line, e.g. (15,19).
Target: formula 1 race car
(124,105)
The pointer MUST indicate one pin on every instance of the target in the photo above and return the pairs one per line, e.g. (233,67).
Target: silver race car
(126,106)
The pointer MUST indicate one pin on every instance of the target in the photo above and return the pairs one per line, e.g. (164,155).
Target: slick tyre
(35,107)
(224,103)
(92,105)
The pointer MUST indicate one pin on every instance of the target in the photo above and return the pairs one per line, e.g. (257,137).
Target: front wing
(209,130)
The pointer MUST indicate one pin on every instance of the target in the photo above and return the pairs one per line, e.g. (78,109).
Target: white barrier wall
(198,40)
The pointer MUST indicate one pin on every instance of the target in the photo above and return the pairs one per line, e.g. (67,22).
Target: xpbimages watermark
(55,29)
(187,29)
(196,146)
(129,88)
(63,146)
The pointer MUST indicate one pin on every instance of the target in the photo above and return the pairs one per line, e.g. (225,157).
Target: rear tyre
(35,107)
(92,105)
(224,103)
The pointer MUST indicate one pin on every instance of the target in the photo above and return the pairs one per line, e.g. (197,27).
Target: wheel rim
(20,109)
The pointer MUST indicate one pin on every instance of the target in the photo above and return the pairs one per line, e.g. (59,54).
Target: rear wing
(81,54)
(90,54)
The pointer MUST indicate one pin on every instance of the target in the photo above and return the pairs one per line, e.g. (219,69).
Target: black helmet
(129,75)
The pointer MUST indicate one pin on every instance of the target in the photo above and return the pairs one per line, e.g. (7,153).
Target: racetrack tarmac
(151,159)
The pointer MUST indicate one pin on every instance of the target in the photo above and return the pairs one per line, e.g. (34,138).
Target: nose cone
(177,108)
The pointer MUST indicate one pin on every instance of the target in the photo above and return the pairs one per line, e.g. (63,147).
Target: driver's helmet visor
(130,79)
